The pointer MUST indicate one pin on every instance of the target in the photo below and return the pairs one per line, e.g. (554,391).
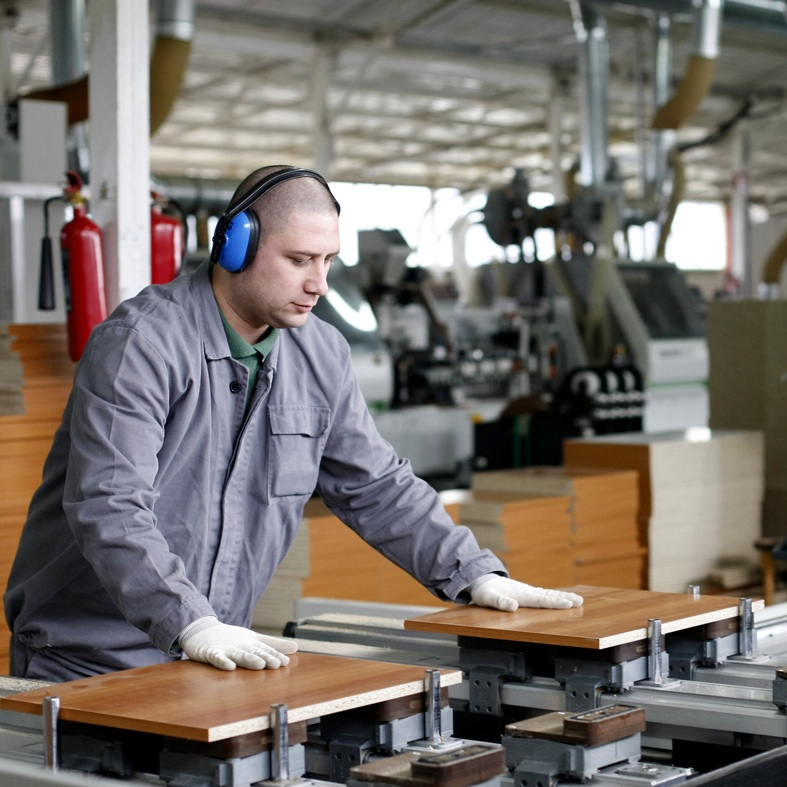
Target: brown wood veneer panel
(609,617)
(185,699)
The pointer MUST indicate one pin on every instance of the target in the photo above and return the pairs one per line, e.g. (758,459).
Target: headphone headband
(251,238)
(269,181)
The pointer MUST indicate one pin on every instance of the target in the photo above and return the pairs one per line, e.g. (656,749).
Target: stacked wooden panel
(25,437)
(609,617)
(601,544)
(195,702)
(342,565)
(700,497)
(12,401)
(747,344)
(531,534)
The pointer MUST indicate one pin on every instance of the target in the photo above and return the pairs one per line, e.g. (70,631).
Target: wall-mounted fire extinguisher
(167,242)
(83,269)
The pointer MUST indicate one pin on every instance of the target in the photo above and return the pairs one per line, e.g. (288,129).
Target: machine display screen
(663,300)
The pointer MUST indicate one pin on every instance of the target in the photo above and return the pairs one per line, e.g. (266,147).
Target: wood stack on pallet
(25,438)
(599,539)
(700,497)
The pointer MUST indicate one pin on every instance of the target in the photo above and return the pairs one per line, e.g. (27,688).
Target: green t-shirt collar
(240,348)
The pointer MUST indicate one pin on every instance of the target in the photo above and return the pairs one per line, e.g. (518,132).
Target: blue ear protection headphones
(237,233)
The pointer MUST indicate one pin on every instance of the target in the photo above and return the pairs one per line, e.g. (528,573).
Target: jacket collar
(214,339)
(214,336)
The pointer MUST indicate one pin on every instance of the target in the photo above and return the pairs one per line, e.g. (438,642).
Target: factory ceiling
(452,93)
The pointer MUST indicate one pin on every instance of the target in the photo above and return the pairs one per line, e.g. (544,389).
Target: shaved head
(274,207)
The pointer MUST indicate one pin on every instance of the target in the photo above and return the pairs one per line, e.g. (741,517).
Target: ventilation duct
(701,68)
(173,36)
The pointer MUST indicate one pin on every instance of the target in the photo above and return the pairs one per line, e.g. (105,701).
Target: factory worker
(204,413)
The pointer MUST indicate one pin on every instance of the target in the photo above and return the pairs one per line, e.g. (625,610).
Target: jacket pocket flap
(296,419)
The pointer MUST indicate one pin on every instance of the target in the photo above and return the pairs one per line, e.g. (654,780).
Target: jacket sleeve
(121,400)
(376,493)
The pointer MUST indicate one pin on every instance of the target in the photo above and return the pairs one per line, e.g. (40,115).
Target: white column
(322,65)
(120,142)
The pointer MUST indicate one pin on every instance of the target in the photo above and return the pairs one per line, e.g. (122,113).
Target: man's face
(288,274)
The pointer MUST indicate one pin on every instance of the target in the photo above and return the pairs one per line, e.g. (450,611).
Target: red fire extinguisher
(83,269)
(167,242)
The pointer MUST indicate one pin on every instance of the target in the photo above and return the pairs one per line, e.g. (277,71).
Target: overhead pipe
(764,15)
(68,62)
(173,36)
(768,16)
(661,140)
(591,31)
(67,34)
(701,67)
(194,195)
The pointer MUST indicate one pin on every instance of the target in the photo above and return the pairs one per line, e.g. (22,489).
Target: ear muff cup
(241,238)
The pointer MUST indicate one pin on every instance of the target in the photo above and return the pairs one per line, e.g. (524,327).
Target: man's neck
(251,333)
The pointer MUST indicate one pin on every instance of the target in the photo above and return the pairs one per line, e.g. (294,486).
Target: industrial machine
(634,688)
(711,686)
(434,369)
(646,311)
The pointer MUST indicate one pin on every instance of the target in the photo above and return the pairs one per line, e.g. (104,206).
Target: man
(204,414)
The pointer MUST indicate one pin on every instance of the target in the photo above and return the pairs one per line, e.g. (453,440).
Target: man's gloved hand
(226,647)
(492,590)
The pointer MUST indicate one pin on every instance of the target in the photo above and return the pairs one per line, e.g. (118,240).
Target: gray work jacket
(162,502)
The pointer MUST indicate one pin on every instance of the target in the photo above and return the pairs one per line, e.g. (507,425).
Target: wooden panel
(540,511)
(184,699)
(17,428)
(25,438)
(343,565)
(609,617)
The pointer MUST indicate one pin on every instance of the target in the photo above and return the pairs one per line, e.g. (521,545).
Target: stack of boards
(700,492)
(557,526)
(40,370)
(12,401)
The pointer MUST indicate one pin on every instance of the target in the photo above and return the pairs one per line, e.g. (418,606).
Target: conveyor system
(667,703)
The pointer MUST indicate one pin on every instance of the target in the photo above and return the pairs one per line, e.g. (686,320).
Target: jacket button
(235,387)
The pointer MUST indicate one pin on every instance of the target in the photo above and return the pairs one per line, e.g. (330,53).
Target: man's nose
(318,281)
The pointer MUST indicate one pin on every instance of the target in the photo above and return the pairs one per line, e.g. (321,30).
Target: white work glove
(493,590)
(226,647)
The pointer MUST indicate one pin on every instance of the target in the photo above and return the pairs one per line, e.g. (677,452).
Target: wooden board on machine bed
(184,699)
(608,618)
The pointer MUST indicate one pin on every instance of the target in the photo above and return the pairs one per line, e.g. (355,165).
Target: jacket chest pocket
(297,439)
